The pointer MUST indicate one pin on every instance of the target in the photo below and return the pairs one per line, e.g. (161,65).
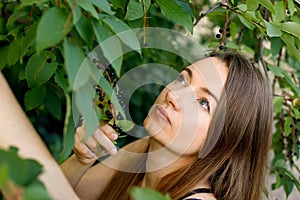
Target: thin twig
(261,57)
(209,11)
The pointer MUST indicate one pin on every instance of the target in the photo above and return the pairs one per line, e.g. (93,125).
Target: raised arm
(16,130)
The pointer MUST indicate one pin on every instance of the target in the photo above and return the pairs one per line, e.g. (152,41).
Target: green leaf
(52,29)
(34,97)
(84,28)
(31,2)
(278,103)
(289,27)
(287,125)
(69,125)
(279,15)
(278,182)
(40,68)
(53,102)
(252,4)
(73,58)
(36,190)
(147,194)
(172,10)
(4,172)
(288,187)
(233,29)
(125,124)
(123,31)
(291,47)
(246,22)
(14,52)
(276,45)
(291,7)
(135,9)
(3,55)
(289,81)
(87,6)
(112,49)
(268,5)
(104,6)
(275,69)
(16,15)
(272,30)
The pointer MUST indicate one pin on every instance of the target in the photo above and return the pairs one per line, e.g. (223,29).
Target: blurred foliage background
(43,43)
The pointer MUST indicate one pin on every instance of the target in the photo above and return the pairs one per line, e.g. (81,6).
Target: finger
(104,141)
(109,131)
(81,149)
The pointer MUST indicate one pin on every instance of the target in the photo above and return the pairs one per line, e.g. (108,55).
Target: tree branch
(209,11)
(261,57)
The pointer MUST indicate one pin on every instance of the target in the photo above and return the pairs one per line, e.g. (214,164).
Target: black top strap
(196,191)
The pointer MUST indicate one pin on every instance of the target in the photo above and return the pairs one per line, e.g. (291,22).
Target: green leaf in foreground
(52,29)
(147,194)
(175,12)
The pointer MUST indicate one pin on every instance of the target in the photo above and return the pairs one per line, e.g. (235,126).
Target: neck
(161,162)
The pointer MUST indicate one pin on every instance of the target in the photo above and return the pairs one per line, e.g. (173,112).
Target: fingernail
(114,136)
(113,151)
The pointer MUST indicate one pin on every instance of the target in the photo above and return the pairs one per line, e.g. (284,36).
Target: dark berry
(280,175)
(100,105)
(290,152)
(110,116)
(39,13)
(295,153)
(227,29)
(115,126)
(109,102)
(221,47)
(218,35)
(228,35)
(49,60)
(107,112)
(22,30)
(292,162)
(291,125)
(112,73)
(106,77)
(288,12)
(298,142)
(70,34)
(202,15)
(101,98)
(65,76)
(221,30)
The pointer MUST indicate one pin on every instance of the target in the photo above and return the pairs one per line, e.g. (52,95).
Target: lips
(161,113)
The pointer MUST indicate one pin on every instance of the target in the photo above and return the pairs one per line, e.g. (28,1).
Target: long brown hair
(234,163)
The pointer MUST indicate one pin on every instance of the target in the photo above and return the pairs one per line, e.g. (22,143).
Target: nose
(172,100)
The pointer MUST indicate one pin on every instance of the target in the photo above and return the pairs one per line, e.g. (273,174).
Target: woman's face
(181,114)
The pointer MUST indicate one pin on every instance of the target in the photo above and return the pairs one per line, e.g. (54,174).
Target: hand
(88,150)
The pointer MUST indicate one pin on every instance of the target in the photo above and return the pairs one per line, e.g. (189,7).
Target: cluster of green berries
(102,101)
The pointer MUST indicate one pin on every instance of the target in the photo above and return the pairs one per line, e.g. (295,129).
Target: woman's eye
(204,103)
(181,79)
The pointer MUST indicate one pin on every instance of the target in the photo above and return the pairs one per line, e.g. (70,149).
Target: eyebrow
(204,89)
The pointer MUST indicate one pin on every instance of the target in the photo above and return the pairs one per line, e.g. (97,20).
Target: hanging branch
(261,57)
(209,11)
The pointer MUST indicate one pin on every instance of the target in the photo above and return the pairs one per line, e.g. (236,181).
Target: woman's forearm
(16,130)
(73,170)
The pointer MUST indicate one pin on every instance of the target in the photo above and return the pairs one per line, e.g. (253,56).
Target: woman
(209,137)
